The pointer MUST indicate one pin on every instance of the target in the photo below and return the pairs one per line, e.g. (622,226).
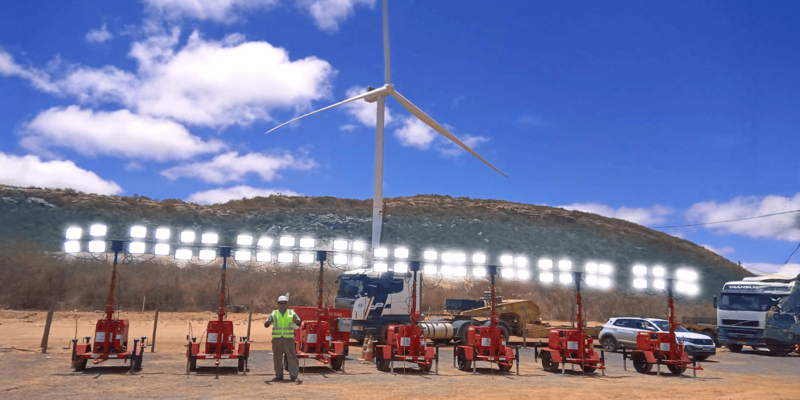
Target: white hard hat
(283,298)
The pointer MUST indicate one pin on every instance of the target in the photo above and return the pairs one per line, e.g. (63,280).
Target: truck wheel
(547,362)
(609,344)
(79,364)
(504,332)
(337,363)
(382,332)
(191,364)
(676,369)
(735,347)
(380,362)
(640,363)
(461,360)
(779,350)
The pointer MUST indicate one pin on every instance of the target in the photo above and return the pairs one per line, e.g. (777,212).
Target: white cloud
(232,167)
(448,148)
(38,78)
(721,250)
(31,171)
(99,35)
(328,14)
(348,128)
(642,216)
(363,112)
(225,11)
(117,133)
(789,270)
(532,120)
(415,133)
(222,195)
(780,227)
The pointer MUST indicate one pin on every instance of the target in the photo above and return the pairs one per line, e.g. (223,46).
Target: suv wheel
(609,344)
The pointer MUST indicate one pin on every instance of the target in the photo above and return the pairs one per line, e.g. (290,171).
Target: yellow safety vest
(283,326)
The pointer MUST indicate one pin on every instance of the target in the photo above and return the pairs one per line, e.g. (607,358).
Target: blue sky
(659,113)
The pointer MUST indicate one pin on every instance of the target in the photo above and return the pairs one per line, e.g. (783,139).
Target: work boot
(294,379)
(278,378)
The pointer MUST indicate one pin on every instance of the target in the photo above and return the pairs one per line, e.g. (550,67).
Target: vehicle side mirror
(715,301)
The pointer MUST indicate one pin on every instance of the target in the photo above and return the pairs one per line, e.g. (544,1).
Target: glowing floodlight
(97,246)
(161,249)
(380,267)
(565,278)
(358,261)
(136,248)
(506,260)
(264,241)
(640,283)
(430,255)
(340,259)
(564,265)
(307,242)
(659,284)
(401,252)
(605,269)
(687,288)
(523,274)
(591,268)
(604,281)
(521,262)
(242,255)
(381,252)
(545,263)
(591,280)
(209,238)
(458,258)
(358,246)
(286,241)
(429,269)
(340,244)
(207,255)
(183,254)
(162,233)
(285,258)
(264,256)
(244,240)
(659,271)
(74,233)
(507,273)
(72,246)
(187,237)
(460,272)
(305,258)
(401,268)
(447,270)
(138,232)
(479,272)
(546,277)
(639,270)
(686,275)
(479,258)
(97,230)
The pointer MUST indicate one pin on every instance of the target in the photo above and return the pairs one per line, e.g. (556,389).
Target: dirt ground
(30,374)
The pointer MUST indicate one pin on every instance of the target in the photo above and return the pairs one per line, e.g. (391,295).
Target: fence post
(46,336)
(155,326)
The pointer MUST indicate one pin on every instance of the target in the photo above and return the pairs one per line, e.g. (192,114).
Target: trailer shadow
(204,371)
(106,370)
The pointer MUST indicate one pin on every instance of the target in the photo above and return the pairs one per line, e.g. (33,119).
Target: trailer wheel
(337,363)
(79,364)
(735,347)
(426,368)
(641,364)
(463,363)
(242,362)
(381,363)
(676,369)
(589,369)
(192,361)
(136,363)
(547,362)
(505,368)
(609,343)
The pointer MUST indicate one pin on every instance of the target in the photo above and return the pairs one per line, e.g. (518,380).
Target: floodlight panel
(209,238)
(136,248)
(340,244)
(187,237)
(244,240)
(686,275)
(565,278)
(479,258)
(687,288)
(659,284)
(606,269)
(306,258)
(591,268)
(264,241)
(242,255)
(640,283)
(521,262)
(591,280)
(381,252)
(358,261)
(604,281)
(307,242)
(401,252)
(97,230)
(659,271)
(162,233)
(429,269)
(97,246)
(460,272)
(401,268)
(479,272)
(286,241)
(458,258)
(285,258)
(380,267)
(546,277)
(74,233)
(639,270)
(430,255)
(264,256)
(447,270)
(358,245)
(340,259)
(506,273)
(207,255)
(161,249)
(545,263)
(183,254)
(506,260)
(138,231)
(523,274)
(564,265)
(72,246)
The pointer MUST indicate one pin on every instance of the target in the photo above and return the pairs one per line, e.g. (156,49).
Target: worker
(285,321)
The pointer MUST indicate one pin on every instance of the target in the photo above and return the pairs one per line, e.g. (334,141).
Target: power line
(790,255)
(722,222)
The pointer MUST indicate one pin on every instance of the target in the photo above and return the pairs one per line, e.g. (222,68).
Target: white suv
(621,332)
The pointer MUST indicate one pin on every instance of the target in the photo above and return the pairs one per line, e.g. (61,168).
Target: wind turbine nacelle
(371,99)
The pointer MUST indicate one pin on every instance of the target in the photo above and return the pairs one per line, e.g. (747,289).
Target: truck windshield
(349,288)
(663,326)
(748,302)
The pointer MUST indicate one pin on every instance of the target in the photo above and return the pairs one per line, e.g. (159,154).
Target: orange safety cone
(366,351)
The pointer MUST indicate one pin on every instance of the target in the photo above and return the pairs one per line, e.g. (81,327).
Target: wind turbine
(380,95)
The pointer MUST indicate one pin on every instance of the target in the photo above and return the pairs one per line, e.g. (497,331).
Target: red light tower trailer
(486,343)
(324,333)
(110,334)
(220,340)
(572,346)
(656,348)
(405,342)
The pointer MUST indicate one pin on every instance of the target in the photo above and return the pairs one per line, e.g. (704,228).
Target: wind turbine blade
(386,64)
(375,92)
(435,125)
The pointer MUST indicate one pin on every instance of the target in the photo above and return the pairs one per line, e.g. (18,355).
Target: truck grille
(743,333)
(740,322)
